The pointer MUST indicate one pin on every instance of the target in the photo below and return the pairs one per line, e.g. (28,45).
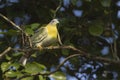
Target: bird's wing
(59,40)
(40,35)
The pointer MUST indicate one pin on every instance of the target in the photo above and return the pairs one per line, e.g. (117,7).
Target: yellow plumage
(47,35)
(52,30)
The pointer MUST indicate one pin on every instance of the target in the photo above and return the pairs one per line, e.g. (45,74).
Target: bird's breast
(52,31)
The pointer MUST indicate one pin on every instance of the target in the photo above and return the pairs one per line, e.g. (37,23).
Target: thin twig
(18,27)
(115,55)
(11,22)
(60,3)
(82,53)
(5,52)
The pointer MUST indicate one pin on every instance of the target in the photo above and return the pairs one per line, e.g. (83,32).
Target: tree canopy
(89,31)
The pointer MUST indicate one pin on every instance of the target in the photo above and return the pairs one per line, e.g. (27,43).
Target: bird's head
(54,22)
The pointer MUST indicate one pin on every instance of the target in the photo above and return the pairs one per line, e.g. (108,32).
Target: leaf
(58,76)
(105,3)
(34,25)
(96,28)
(11,74)
(29,31)
(28,78)
(15,65)
(41,77)
(8,57)
(34,68)
(4,66)
(17,54)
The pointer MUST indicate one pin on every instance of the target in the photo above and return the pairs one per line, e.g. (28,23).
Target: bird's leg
(39,47)
(50,47)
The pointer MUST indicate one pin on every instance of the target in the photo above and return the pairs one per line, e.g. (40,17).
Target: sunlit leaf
(8,57)
(41,77)
(28,78)
(29,31)
(15,65)
(5,66)
(34,25)
(34,68)
(11,74)
(9,66)
(58,76)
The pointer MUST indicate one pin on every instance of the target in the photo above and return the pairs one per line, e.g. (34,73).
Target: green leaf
(58,76)
(34,68)
(34,25)
(5,66)
(41,77)
(28,78)
(17,54)
(19,74)
(11,74)
(8,57)
(29,31)
(16,65)
(96,28)
(105,3)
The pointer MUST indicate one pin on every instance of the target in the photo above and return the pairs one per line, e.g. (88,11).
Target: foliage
(89,25)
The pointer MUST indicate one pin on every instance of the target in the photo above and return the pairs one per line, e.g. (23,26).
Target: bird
(44,37)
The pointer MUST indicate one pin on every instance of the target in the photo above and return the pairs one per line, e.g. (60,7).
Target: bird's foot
(39,47)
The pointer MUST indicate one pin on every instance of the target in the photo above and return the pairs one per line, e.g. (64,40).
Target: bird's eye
(53,21)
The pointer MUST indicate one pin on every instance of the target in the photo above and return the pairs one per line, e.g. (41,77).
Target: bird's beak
(57,21)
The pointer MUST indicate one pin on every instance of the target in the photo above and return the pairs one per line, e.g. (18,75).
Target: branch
(49,73)
(80,53)
(4,17)
(18,27)
(60,3)
(5,52)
